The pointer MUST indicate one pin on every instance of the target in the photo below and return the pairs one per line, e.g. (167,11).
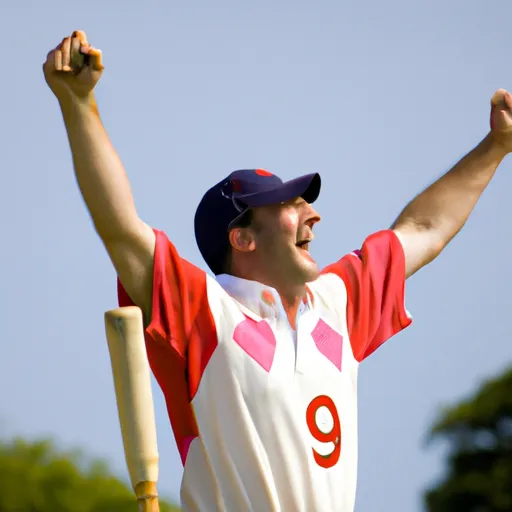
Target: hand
(501,119)
(73,68)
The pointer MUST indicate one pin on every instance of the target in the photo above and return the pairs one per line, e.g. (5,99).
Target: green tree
(478,431)
(36,477)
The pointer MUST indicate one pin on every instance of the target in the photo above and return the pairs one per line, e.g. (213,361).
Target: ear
(242,239)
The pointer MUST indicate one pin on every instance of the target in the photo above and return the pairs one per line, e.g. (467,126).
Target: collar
(258,298)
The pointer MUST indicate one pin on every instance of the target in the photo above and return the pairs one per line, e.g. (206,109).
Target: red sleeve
(180,317)
(375,281)
(179,292)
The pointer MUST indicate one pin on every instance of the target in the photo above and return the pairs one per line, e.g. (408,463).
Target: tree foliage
(36,477)
(479,434)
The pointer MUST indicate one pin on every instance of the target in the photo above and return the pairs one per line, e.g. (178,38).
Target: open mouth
(303,244)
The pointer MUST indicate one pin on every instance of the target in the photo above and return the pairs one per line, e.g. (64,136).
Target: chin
(311,274)
(309,269)
(298,268)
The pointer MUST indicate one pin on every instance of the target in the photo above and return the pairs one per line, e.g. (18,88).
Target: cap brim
(307,187)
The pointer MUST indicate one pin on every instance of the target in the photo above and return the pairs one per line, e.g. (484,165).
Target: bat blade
(132,383)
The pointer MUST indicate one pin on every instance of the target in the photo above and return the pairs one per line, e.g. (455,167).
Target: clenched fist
(73,68)
(501,118)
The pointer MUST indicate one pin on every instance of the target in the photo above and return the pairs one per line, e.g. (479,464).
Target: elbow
(436,245)
(434,242)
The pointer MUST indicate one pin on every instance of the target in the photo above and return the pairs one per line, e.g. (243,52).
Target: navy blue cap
(229,199)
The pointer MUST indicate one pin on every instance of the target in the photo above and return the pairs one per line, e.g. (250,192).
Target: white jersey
(265,416)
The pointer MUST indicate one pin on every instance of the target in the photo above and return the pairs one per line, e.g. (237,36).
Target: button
(267,297)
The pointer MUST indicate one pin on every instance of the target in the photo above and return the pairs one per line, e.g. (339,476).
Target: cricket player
(259,364)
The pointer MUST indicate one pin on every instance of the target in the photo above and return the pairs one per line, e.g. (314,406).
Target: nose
(312,216)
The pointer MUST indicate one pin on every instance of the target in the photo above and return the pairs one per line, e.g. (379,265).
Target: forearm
(99,170)
(435,216)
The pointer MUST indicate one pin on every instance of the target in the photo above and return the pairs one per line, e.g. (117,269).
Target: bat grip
(147,497)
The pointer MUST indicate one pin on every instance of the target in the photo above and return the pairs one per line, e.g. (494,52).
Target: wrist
(72,105)
(496,144)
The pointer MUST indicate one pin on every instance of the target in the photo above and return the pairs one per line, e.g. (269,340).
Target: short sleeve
(179,292)
(374,278)
(179,316)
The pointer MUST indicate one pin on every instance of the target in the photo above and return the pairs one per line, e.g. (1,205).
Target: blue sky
(379,97)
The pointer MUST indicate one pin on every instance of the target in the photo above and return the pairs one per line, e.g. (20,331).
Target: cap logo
(262,172)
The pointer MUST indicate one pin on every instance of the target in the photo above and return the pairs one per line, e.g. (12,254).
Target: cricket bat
(132,383)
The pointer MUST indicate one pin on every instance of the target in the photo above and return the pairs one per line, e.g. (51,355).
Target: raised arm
(72,70)
(434,217)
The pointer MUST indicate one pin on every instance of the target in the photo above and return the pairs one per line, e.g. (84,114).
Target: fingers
(508,101)
(94,55)
(95,59)
(75,48)
(498,98)
(72,54)
(81,36)
(57,58)
(501,108)
(77,57)
(500,102)
(65,50)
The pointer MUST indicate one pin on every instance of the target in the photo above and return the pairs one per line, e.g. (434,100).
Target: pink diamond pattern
(328,342)
(257,340)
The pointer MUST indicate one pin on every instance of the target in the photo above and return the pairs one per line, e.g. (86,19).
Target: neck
(291,305)
(291,294)
(292,299)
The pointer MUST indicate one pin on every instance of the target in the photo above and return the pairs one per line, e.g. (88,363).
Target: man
(259,365)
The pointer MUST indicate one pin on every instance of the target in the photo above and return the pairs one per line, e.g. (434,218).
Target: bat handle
(147,497)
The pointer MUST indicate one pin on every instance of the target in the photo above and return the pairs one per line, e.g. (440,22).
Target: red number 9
(325,427)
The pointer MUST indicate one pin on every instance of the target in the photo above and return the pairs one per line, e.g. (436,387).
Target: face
(280,238)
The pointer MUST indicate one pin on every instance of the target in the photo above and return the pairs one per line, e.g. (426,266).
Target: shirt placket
(302,337)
